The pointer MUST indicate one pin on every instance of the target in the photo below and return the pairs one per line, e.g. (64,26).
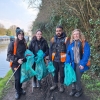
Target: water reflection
(4,65)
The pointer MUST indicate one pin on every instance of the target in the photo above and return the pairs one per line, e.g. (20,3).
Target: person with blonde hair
(78,54)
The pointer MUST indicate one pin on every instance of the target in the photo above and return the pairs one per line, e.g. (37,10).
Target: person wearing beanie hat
(17,59)
(19,31)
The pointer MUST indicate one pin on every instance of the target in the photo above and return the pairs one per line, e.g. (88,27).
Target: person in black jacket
(57,54)
(38,43)
(17,59)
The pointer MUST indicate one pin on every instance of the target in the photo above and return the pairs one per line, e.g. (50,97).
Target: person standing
(38,43)
(58,46)
(15,55)
(78,54)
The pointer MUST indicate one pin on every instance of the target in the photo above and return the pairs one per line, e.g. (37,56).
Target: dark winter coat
(58,41)
(36,45)
(84,59)
(21,48)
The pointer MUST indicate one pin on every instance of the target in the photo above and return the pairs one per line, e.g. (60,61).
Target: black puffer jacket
(21,48)
(36,45)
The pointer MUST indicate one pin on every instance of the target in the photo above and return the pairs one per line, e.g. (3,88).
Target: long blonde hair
(81,36)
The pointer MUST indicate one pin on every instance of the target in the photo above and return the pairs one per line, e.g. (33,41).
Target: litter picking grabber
(12,74)
(15,70)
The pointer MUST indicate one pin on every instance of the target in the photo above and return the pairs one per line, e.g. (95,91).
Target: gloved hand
(20,61)
(24,60)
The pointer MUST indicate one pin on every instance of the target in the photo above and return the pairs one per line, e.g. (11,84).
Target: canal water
(4,65)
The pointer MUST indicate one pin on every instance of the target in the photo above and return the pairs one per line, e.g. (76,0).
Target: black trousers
(34,65)
(59,68)
(17,75)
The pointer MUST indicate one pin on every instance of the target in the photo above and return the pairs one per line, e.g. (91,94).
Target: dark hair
(59,26)
(38,30)
(34,35)
(17,40)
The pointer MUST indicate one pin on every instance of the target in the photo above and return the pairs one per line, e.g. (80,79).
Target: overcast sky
(16,12)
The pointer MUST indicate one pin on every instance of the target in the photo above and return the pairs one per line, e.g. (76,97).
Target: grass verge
(3,83)
(92,86)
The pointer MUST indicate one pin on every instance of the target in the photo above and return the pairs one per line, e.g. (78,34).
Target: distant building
(4,39)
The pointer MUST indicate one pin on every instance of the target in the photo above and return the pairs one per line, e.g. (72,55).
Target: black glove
(24,60)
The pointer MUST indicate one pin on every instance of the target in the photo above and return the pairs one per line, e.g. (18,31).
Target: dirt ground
(42,93)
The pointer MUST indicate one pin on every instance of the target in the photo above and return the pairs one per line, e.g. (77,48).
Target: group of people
(74,50)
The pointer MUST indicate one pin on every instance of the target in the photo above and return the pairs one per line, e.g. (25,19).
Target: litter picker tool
(15,71)
(12,75)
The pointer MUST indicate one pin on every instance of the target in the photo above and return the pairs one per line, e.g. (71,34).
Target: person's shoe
(23,92)
(61,88)
(17,96)
(38,83)
(72,93)
(33,83)
(53,87)
(78,93)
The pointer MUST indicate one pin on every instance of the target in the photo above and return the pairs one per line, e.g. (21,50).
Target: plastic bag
(51,68)
(70,75)
(41,70)
(26,68)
